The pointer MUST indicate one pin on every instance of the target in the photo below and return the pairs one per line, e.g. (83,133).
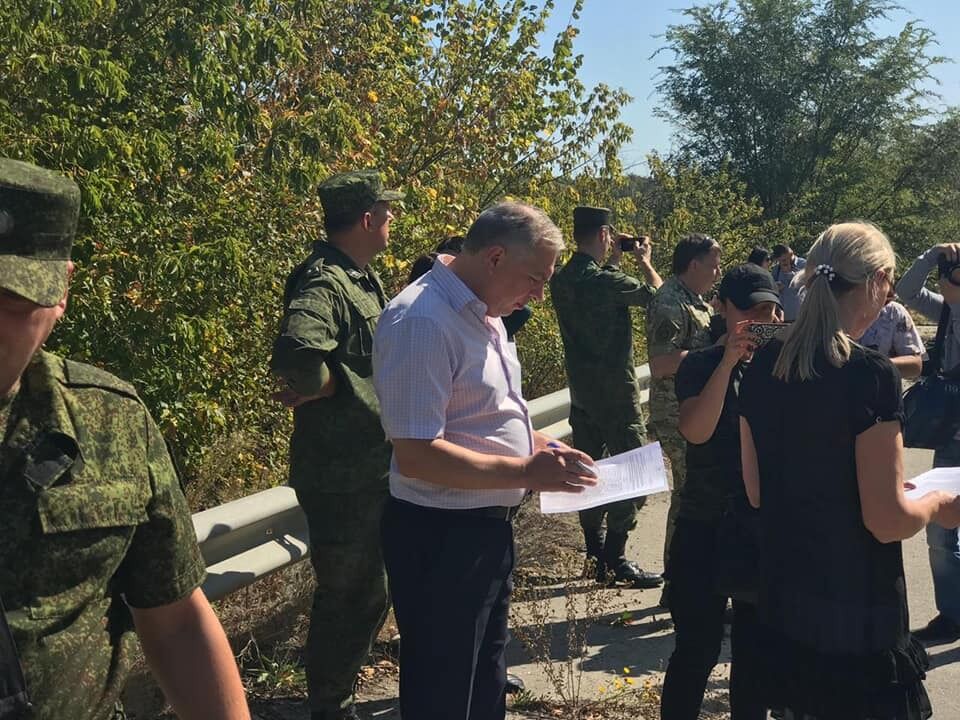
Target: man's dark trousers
(450,579)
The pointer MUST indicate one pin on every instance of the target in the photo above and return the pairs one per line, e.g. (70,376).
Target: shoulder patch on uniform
(81,374)
(664,332)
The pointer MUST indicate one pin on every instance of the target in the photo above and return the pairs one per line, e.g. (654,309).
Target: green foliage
(798,96)
(913,188)
(197,130)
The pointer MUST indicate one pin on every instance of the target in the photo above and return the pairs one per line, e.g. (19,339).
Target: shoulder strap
(936,353)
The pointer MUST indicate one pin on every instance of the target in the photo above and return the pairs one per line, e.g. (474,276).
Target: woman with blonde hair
(820,420)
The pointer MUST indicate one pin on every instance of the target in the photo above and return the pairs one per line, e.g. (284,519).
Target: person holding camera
(593,300)
(943,543)
(713,553)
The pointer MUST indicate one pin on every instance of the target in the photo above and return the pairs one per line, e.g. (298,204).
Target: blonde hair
(853,252)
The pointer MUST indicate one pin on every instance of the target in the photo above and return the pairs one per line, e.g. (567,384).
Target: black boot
(595,565)
(614,555)
(349,713)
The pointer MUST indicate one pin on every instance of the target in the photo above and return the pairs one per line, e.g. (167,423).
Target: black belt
(494,512)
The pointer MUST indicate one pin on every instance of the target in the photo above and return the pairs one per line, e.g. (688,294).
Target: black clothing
(516,320)
(832,597)
(702,558)
(450,581)
(697,609)
(713,468)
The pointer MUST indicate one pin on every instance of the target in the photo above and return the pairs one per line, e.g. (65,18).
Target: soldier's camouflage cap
(587,218)
(38,218)
(353,193)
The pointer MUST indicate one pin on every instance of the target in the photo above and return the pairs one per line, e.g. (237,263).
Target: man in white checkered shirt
(464,456)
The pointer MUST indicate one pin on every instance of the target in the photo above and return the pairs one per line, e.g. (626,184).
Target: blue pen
(582,466)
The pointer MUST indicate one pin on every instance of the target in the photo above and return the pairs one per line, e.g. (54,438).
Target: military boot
(347,713)
(614,555)
(595,566)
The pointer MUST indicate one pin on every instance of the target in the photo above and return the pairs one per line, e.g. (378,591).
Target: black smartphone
(764,332)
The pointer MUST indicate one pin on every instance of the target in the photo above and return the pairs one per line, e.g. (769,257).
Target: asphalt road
(643,646)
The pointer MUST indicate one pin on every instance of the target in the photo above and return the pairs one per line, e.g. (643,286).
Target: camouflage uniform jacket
(593,310)
(92,516)
(677,319)
(331,308)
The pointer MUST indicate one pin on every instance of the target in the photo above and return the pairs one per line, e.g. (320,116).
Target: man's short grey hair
(513,224)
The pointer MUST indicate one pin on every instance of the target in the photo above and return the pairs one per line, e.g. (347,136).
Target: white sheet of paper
(628,475)
(947,478)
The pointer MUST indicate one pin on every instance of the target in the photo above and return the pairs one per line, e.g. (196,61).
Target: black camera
(628,244)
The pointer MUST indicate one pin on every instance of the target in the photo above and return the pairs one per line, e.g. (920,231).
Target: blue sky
(617,38)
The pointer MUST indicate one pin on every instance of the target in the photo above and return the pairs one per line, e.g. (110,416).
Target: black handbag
(931,407)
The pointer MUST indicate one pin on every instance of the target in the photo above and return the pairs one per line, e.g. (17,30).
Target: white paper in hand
(947,478)
(628,475)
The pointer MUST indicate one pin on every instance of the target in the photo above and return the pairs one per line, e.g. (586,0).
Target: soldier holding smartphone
(593,302)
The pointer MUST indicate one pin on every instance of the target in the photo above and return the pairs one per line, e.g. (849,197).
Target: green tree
(912,189)
(197,130)
(793,94)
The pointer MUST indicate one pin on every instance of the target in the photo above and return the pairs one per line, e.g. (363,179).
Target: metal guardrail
(247,539)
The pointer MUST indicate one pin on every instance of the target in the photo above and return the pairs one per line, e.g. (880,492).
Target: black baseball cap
(748,285)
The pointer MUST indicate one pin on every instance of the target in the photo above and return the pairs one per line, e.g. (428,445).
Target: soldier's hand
(555,470)
(291,398)
(616,252)
(643,249)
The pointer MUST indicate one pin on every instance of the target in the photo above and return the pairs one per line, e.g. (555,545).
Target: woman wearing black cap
(711,558)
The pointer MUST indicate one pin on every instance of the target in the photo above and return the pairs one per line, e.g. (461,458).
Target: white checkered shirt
(443,369)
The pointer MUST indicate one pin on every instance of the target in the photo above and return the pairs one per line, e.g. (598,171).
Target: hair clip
(827,271)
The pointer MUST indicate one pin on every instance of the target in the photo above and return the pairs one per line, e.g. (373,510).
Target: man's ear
(366,222)
(62,305)
(494,256)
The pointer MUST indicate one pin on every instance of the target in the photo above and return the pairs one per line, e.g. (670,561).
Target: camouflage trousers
(674,446)
(608,434)
(350,601)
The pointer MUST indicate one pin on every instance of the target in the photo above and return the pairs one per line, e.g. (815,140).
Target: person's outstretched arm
(191,659)
(911,288)
(887,513)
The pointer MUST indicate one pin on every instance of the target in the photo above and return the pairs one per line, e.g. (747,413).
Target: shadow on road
(637,641)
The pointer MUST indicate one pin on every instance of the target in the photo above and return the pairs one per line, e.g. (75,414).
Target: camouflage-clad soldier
(678,320)
(339,457)
(97,538)
(593,304)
